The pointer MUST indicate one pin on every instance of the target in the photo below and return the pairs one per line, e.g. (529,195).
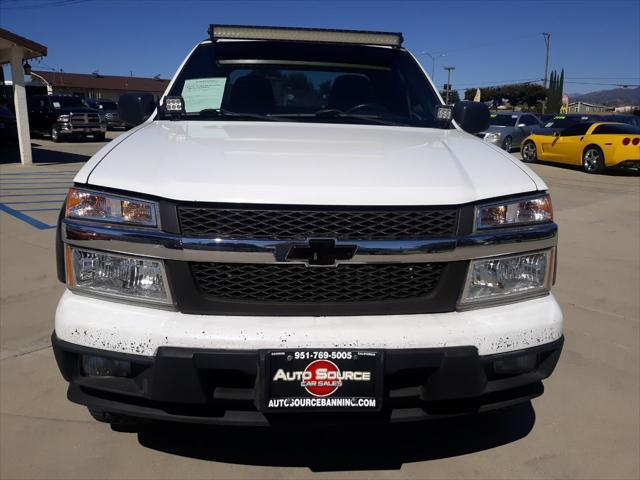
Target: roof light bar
(305,35)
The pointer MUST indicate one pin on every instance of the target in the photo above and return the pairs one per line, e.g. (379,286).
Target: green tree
(524,95)
(554,94)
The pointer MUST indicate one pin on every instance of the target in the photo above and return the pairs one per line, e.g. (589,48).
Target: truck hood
(304,163)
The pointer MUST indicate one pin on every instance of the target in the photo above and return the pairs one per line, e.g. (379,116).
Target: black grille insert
(300,224)
(301,284)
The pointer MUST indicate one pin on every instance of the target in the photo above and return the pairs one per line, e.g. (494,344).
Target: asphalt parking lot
(586,425)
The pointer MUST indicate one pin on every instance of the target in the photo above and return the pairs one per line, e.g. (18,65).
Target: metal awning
(10,40)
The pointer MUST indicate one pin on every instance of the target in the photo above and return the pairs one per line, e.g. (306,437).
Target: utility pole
(547,41)
(448,69)
(433,58)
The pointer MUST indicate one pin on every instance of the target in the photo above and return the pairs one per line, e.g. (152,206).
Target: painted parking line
(34,201)
(30,188)
(35,183)
(53,172)
(40,209)
(25,218)
(25,194)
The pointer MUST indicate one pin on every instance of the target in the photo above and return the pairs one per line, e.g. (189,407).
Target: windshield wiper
(335,113)
(222,113)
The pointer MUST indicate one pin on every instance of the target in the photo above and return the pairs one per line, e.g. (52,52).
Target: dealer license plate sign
(322,380)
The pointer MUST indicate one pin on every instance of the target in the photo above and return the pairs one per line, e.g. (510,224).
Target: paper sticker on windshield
(202,93)
(56,104)
(559,117)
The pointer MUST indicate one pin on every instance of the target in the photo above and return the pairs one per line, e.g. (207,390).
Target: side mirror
(556,134)
(472,117)
(135,108)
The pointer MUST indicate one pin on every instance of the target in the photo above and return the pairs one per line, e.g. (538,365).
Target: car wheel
(507,144)
(593,159)
(529,152)
(55,135)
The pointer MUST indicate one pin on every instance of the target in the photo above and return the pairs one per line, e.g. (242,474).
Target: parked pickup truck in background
(65,116)
(303,231)
(109,109)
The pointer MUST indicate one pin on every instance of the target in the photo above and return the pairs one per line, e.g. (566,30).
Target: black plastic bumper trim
(219,386)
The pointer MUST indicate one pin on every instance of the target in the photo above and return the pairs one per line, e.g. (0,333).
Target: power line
(44,4)
(623,85)
(482,45)
(603,78)
(499,82)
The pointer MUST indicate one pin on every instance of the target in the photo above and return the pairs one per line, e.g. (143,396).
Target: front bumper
(75,129)
(219,386)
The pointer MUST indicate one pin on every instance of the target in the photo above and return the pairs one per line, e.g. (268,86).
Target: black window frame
(630,129)
(582,128)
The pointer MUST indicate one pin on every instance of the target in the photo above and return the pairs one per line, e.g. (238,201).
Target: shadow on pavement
(578,168)
(340,448)
(9,154)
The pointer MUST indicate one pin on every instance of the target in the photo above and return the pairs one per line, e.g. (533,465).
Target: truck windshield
(67,102)
(306,82)
(504,120)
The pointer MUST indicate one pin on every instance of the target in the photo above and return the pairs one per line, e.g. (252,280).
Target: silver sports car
(507,130)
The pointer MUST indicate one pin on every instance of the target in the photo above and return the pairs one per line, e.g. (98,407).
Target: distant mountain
(614,97)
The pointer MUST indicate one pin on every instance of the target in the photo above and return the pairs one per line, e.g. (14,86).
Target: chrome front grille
(84,118)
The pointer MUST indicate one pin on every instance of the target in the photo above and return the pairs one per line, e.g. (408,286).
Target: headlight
(515,212)
(106,207)
(63,118)
(500,279)
(120,276)
(492,136)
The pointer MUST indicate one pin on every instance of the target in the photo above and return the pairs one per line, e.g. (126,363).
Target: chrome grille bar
(153,243)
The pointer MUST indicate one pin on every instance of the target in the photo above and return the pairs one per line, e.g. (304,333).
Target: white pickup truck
(302,231)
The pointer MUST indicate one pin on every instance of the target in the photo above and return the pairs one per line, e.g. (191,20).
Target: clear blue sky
(489,42)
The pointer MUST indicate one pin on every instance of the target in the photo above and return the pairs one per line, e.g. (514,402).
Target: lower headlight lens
(121,276)
(494,280)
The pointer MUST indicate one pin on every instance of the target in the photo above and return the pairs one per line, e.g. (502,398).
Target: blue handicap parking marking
(25,218)
(25,193)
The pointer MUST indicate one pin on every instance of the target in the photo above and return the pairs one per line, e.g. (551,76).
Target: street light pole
(433,58)
(547,41)
(448,69)
(49,87)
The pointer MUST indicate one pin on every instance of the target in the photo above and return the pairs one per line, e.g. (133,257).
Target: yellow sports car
(595,146)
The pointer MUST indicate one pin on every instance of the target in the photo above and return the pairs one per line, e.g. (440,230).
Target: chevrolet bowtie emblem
(320,252)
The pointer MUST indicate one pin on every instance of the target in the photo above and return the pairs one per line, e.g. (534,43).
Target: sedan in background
(560,122)
(621,118)
(596,146)
(507,130)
